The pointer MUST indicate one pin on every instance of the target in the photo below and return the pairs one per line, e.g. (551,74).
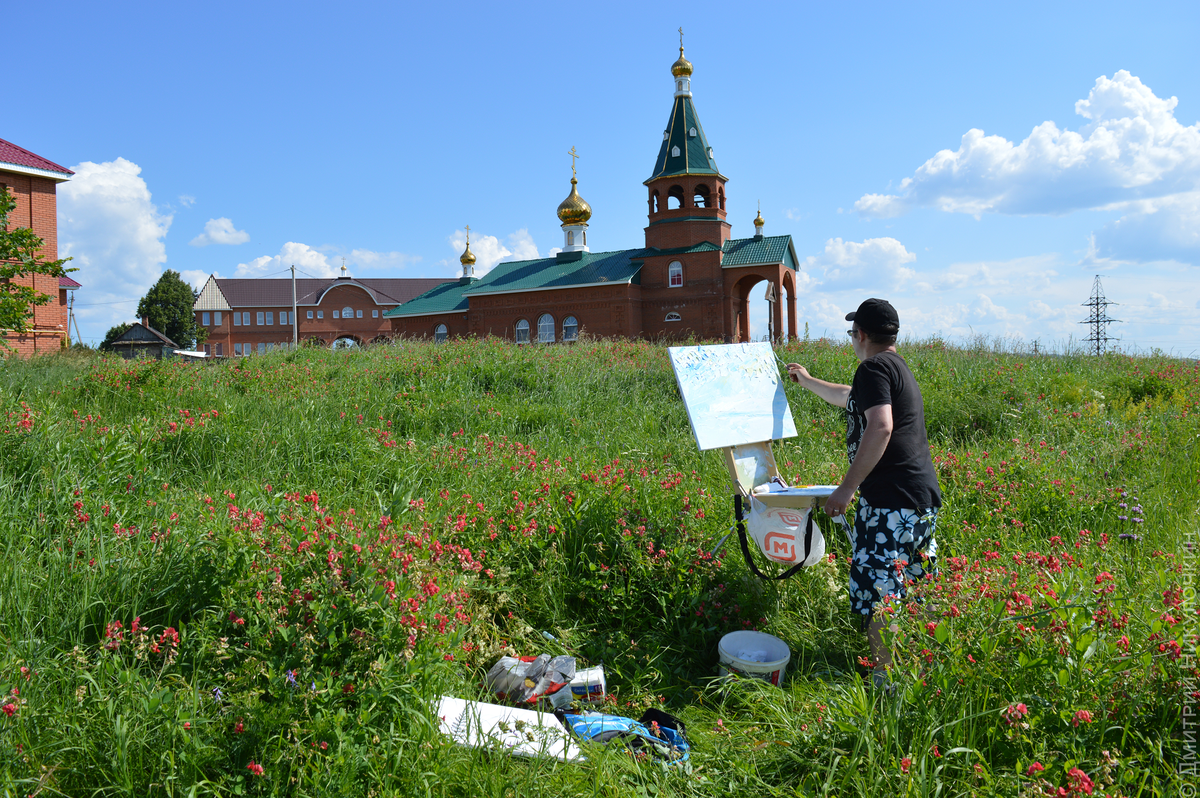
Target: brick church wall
(37,208)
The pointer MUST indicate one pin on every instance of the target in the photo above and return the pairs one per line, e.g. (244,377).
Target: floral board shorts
(891,547)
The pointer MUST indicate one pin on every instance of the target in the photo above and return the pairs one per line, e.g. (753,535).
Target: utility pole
(295,321)
(1098,319)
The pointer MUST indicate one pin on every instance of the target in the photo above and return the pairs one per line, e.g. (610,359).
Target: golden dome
(574,209)
(758,220)
(682,67)
(468,257)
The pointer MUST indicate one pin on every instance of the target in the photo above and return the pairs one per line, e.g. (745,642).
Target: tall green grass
(290,516)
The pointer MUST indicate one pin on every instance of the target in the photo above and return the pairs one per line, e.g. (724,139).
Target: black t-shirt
(904,477)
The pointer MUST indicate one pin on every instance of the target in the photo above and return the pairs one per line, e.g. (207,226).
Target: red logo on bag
(780,546)
(791,519)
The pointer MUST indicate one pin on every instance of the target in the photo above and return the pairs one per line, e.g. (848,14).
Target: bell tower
(686,191)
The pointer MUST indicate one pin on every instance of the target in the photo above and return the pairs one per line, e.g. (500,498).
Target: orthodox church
(689,280)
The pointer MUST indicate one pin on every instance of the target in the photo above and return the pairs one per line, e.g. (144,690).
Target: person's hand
(838,501)
(796,371)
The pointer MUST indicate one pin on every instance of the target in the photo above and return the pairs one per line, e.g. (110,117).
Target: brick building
(690,279)
(32,181)
(252,316)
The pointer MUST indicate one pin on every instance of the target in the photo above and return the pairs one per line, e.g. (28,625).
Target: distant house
(32,181)
(247,316)
(142,340)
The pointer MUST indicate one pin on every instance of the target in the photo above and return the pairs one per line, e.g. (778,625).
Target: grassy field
(253,577)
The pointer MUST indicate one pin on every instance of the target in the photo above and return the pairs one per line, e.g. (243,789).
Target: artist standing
(890,466)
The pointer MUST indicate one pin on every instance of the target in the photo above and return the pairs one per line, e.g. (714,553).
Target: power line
(1098,318)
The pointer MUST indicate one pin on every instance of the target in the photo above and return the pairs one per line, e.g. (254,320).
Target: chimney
(146,322)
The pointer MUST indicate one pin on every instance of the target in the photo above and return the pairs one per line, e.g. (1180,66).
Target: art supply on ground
(523,680)
(589,685)
(522,732)
(754,655)
(658,734)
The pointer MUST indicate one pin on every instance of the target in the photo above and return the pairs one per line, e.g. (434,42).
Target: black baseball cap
(876,316)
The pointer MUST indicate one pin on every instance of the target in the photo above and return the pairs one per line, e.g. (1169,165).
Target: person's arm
(870,451)
(831,392)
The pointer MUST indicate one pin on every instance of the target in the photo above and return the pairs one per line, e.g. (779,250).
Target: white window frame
(270,318)
(320,314)
(205,319)
(673,317)
(521,333)
(347,310)
(310,315)
(237,319)
(570,323)
(375,313)
(262,347)
(545,329)
(440,334)
(259,318)
(246,319)
(217,319)
(237,349)
(336,314)
(674,270)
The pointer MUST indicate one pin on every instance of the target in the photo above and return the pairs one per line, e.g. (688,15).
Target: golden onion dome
(574,209)
(682,67)
(468,257)
(758,220)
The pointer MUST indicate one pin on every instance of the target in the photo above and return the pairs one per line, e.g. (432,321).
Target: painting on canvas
(733,393)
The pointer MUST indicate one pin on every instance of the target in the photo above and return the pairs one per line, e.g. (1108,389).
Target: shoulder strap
(741,528)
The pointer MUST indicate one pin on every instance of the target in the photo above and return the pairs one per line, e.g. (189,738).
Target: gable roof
(68,283)
(591,268)
(695,156)
(140,333)
(753,251)
(19,159)
(445,298)
(258,292)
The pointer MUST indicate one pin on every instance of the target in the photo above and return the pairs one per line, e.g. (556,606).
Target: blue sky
(977,165)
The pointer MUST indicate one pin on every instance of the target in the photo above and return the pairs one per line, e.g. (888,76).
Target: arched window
(522,331)
(570,328)
(674,152)
(441,333)
(721,198)
(674,198)
(570,238)
(673,317)
(675,274)
(654,202)
(700,200)
(347,313)
(545,329)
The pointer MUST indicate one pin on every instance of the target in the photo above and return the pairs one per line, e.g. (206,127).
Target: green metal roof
(768,249)
(621,266)
(695,156)
(445,298)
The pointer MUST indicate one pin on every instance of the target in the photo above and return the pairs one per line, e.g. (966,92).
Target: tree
(168,305)
(113,334)
(19,262)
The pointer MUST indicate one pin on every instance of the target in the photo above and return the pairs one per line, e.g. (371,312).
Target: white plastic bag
(779,533)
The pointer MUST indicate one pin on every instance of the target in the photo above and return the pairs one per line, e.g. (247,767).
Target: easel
(751,466)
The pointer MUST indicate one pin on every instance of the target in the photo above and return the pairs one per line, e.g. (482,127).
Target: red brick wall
(326,330)
(37,208)
(603,311)
(457,325)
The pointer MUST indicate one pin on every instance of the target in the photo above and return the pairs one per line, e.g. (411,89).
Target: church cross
(468,234)
(573,155)
(681,38)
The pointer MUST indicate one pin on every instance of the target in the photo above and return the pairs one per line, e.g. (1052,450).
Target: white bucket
(755,655)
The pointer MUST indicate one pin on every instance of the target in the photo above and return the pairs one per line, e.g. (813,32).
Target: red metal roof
(260,292)
(67,282)
(19,156)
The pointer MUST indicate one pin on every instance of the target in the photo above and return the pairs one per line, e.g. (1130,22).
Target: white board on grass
(733,394)
(522,732)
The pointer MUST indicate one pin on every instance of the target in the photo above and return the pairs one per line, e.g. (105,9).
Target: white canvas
(733,393)
(522,732)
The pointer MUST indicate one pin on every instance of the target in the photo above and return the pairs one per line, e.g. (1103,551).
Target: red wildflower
(255,768)
(9,709)
(905,764)
(238,728)
(1036,767)
(1014,712)
(1083,716)
(1080,782)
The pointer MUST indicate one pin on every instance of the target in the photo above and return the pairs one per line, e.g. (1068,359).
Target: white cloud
(302,256)
(1131,149)
(194,277)
(108,223)
(220,231)
(186,200)
(489,251)
(1153,230)
(874,264)
(366,259)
